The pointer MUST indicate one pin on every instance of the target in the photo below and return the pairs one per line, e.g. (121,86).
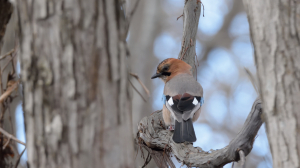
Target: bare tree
(275,32)
(77,100)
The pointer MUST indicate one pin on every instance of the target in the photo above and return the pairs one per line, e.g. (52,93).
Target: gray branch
(191,15)
(153,136)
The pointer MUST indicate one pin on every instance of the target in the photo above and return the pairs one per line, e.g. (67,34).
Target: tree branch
(191,15)
(153,136)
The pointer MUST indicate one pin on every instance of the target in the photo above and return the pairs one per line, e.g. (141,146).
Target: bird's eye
(165,68)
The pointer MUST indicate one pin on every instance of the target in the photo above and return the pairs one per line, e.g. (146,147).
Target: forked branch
(154,137)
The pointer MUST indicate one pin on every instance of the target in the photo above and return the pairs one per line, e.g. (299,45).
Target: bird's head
(171,67)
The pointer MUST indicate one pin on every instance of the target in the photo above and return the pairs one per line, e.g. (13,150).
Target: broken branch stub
(153,136)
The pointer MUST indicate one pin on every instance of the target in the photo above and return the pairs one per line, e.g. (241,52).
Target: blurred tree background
(223,50)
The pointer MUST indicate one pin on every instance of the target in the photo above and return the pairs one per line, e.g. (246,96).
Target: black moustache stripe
(166,73)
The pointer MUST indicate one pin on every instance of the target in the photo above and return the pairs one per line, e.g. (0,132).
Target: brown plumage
(173,65)
(184,97)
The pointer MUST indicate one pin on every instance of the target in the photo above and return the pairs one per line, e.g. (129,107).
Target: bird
(183,98)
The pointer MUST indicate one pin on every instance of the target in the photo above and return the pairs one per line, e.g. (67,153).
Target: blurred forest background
(223,50)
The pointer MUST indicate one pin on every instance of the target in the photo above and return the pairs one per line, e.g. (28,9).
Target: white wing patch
(170,101)
(195,102)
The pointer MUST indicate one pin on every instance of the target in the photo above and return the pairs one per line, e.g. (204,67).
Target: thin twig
(203,8)
(7,54)
(11,136)
(137,91)
(7,142)
(131,13)
(10,120)
(19,158)
(9,91)
(179,16)
(134,8)
(10,59)
(252,79)
(13,63)
(138,79)
(129,16)
(242,157)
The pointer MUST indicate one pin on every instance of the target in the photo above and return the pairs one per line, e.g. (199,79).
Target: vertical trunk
(76,98)
(275,31)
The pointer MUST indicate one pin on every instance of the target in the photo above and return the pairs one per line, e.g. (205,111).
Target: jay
(183,97)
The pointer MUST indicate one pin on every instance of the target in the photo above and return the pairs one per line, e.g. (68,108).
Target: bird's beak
(156,75)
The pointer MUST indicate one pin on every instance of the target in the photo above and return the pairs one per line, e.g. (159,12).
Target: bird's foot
(171,127)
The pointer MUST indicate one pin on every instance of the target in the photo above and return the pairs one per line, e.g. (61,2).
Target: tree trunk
(275,31)
(77,100)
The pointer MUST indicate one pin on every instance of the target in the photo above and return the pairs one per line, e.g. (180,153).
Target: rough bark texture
(275,31)
(153,134)
(77,100)
(191,15)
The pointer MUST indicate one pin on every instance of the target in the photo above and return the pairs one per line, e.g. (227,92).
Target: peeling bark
(275,32)
(77,100)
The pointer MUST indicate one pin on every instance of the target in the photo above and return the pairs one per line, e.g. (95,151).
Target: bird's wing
(171,104)
(183,106)
(181,84)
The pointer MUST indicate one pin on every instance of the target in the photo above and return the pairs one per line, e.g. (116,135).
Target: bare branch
(11,136)
(142,84)
(133,10)
(191,15)
(179,16)
(7,54)
(153,134)
(19,158)
(7,142)
(8,92)
(137,91)
(129,17)
(10,60)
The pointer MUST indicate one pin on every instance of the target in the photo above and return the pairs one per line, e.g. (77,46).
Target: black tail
(184,131)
